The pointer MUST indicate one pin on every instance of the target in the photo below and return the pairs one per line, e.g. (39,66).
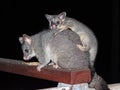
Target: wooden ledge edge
(47,73)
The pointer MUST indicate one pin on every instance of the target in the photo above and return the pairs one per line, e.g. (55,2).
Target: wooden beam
(47,73)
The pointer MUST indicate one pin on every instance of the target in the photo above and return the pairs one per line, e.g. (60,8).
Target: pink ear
(27,38)
(62,15)
(21,39)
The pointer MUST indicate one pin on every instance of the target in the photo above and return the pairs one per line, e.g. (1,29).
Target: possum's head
(27,48)
(56,21)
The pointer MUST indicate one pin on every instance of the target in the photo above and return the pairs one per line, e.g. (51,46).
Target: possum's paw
(82,48)
(39,67)
(55,66)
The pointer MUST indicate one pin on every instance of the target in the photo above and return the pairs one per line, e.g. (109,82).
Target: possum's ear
(62,15)
(27,38)
(48,16)
(21,40)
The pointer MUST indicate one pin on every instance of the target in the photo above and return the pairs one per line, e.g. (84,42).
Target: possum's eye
(26,50)
(52,22)
(57,22)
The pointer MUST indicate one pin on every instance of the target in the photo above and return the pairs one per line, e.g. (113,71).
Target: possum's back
(64,50)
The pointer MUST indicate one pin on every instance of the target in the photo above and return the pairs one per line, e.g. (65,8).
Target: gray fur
(62,50)
(98,83)
(89,42)
(66,52)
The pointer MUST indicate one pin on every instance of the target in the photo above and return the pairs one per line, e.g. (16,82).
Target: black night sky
(18,17)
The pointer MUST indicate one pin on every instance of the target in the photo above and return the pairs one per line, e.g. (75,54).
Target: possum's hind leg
(85,46)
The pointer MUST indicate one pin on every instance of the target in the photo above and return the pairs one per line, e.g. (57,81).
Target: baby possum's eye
(57,22)
(52,22)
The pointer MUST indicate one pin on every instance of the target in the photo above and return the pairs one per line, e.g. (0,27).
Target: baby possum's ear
(62,15)
(27,38)
(21,40)
(48,16)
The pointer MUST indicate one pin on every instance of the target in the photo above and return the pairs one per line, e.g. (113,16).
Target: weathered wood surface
(47,73)
(115,86)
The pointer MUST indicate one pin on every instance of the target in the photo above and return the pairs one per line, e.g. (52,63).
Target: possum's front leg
(40,66)
(62,28)
(46,57)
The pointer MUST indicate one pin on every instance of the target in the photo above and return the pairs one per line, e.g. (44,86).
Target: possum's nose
(25,58)
(54,26)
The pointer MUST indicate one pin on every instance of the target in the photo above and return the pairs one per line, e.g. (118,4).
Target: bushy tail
(98,83)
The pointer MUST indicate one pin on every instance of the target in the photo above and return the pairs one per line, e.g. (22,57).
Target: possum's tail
(98,83)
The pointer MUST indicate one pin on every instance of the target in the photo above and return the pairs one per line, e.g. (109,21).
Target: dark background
(18,17)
